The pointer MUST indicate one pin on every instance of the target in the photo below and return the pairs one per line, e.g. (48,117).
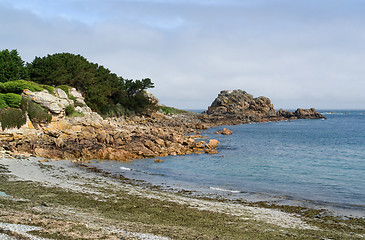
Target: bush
(18,86)
(71,112)
(37,114)
(114,111)
(170,110)
(12,100)
(3,103)
(11,118)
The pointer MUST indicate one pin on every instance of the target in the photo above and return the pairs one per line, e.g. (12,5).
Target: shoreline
(229,195)
(51,187)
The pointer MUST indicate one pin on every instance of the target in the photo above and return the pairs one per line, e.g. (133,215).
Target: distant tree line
(104,91)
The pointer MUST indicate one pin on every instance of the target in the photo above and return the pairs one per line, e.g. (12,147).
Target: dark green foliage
(115,110)
(11,100)
(18,86)
(11,66)
(71,112)
(37,114)
(11,118)
(103,90)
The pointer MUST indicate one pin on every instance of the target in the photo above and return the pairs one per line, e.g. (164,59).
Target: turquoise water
(310,161)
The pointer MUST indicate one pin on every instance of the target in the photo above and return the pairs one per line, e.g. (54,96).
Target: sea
(312,163)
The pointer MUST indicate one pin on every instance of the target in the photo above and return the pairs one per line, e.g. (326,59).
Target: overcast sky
(302,53)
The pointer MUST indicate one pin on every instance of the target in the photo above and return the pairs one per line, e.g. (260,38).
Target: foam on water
(125,168)
(224,190)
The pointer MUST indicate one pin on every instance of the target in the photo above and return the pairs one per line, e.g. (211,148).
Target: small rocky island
(156,134)
(239,107)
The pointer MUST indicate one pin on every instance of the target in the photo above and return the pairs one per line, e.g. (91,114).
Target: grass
(117,207)
(170,110)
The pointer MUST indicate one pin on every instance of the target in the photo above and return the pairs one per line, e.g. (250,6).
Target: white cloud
(301,53)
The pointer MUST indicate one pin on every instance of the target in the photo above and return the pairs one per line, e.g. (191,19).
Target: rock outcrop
(112,139)
(57,102)
(237,107)
(225,131)
(56,105)
(307,114)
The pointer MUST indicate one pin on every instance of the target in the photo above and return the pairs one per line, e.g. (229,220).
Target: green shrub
(11,118)
(3,103)
(116,110)
(18,86)
(12,100)
(71,112)
(170,110)
(37,114)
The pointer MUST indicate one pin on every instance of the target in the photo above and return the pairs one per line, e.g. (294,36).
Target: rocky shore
(126,138)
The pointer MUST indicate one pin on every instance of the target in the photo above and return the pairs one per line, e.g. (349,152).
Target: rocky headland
(89,136)
(239,107)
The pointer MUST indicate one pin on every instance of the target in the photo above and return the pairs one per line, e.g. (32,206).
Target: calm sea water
(320,162)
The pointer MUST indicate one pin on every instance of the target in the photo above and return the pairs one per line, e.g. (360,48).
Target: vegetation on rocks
(11,118)
(103,89)
(10,100)
(18,86)
(71,112)
(170,110)
(37,114)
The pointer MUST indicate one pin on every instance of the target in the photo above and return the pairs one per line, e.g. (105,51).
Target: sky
(303,53)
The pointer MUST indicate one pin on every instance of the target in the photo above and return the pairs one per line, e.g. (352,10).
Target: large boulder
(237,107)
(78,96)
(308,113)
(241,105)
(51,102)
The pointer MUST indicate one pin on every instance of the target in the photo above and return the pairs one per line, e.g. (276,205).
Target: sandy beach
(60,200)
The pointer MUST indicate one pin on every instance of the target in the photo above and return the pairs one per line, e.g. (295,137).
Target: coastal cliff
(89,136)
(238,107)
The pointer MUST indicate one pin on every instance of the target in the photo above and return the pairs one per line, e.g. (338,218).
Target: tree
(103,89)
(11,66)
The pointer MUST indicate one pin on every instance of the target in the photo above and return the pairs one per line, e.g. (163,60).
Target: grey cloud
(298,53)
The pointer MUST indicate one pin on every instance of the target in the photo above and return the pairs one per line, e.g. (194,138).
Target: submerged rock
(225,131)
